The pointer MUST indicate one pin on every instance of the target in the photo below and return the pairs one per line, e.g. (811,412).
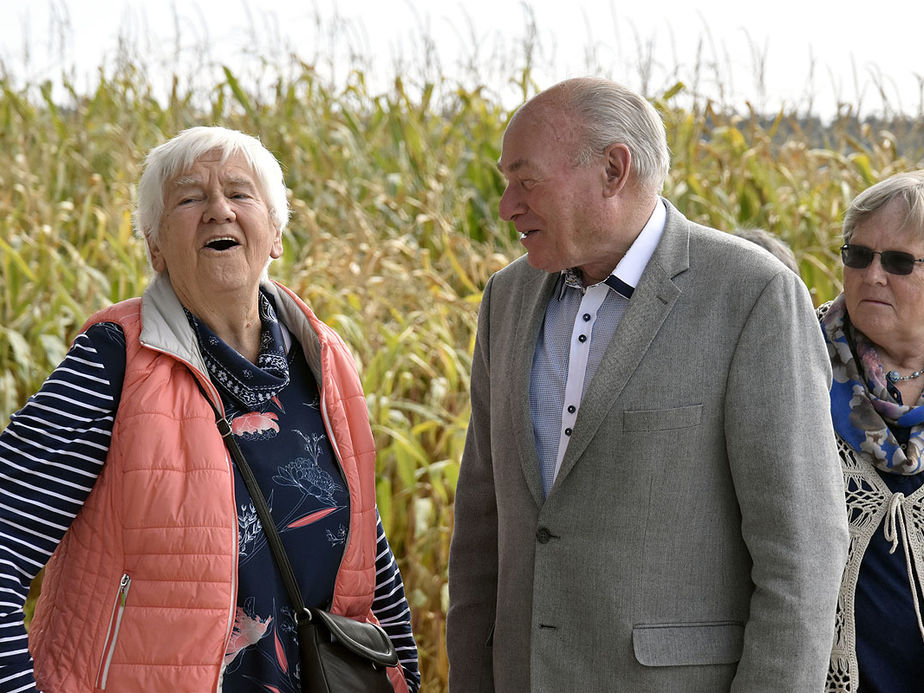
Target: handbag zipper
(115,622)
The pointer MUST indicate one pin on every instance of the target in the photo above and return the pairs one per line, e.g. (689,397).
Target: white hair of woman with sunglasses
(159,576)
(875,336)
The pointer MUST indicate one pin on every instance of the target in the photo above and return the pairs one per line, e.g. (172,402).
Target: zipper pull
(123,589)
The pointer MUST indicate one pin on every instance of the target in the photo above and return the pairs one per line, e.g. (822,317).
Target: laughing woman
(158,574)
(875,336)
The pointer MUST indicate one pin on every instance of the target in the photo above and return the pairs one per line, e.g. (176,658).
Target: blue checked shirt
(579,324)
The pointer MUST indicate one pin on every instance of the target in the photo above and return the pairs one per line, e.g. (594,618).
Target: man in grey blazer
(649,497)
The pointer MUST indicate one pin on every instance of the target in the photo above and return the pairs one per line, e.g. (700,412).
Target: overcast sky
(790,52)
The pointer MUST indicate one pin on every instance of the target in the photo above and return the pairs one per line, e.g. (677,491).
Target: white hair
(907,187)
(181,152)
(609,113)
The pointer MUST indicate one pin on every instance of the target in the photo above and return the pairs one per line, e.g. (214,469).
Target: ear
(618,161)
(157,257)
(276,248)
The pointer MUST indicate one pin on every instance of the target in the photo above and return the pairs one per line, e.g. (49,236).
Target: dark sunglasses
(892,261)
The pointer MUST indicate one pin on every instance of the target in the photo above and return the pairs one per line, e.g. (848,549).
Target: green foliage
(393,235)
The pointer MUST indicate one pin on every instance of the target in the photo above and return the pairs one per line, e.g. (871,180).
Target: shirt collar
(628,272)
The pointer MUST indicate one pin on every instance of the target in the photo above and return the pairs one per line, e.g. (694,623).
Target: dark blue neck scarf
(252,385)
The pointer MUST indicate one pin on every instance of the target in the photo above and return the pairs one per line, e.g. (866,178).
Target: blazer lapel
(651,303)
(536,294)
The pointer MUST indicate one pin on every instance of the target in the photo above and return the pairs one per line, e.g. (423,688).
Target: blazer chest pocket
(662,419)
(679,644)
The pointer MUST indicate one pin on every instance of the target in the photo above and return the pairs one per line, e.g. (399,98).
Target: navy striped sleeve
(51,454)
(392,610)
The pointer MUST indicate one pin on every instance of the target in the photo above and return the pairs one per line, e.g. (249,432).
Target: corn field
(393,235)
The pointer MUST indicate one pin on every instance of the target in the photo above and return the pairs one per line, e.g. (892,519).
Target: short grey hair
(907,187)
(179,153)
(772,243)
(609,113)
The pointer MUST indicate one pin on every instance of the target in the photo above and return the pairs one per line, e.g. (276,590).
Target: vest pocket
(112,635)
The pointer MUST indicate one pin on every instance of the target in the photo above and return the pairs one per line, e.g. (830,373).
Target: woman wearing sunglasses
(875,336)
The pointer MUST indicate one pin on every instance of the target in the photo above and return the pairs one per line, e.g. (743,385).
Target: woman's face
(888,308)
(216,233)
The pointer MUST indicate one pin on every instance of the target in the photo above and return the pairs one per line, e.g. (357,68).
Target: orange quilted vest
(140,595)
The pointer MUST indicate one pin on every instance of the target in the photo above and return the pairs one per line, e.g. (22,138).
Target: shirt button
(568,431)
(572,409)
(582,338)
(586,317)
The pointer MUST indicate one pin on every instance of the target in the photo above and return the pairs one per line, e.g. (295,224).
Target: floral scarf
(863,404)
(250,384)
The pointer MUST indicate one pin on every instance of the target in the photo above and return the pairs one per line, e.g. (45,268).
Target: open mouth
(524,234)
(221,243)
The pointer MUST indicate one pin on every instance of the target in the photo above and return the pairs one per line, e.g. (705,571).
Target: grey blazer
(695,536)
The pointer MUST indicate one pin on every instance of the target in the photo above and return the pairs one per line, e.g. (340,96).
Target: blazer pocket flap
(665,645)
(662,419)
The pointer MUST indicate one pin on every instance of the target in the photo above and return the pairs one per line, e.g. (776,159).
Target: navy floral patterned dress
(273,407)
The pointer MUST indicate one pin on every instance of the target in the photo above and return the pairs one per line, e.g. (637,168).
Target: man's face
(557,207)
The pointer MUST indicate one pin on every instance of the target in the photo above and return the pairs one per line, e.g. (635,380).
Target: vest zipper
(339,459)
(229,630)
(206,382)
(115,622)
(237,544)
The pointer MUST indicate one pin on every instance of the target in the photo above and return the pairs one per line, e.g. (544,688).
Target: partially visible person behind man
(772,244)
(649,497)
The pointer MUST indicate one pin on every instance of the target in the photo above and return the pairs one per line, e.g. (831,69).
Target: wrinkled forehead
(892,226)
(535,133)
(548,119)
(228,167)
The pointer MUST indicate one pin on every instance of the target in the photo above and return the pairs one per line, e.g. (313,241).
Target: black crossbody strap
(263,512)
(368,640)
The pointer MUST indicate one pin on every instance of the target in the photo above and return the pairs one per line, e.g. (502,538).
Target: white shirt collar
(633,263)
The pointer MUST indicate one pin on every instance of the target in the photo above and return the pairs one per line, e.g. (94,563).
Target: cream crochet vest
(871,507)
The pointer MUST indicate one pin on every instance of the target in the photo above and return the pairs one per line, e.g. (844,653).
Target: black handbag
(336,653)
(339,654)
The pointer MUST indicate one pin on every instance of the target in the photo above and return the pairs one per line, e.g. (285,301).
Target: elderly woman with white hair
(875,336)
(159,577)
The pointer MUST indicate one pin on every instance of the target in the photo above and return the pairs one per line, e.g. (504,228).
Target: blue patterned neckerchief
(862,410)
(571,278)
(253,385)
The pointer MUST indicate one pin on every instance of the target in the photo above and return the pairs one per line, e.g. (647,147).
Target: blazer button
(543,535)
